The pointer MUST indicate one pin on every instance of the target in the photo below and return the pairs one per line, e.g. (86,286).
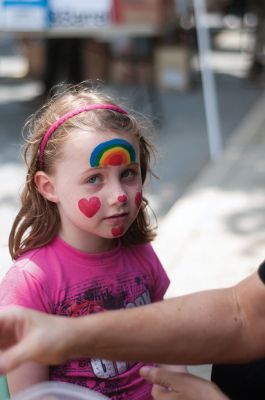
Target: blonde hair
(38,221)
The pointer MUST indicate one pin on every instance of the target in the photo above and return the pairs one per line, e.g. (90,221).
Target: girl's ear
(45,186)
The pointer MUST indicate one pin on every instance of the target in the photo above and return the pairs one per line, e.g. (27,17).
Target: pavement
(214,234)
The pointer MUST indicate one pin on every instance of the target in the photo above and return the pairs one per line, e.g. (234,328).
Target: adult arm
(223,325)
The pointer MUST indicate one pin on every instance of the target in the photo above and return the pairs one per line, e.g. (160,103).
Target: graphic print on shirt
(94,296)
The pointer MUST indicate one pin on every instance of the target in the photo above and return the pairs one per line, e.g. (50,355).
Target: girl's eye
(95,179)
(129,173)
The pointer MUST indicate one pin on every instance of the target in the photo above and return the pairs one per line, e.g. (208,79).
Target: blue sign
(25,15)
(25,3)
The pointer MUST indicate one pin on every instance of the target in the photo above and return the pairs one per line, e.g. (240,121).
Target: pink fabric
(59,279)
(71,114)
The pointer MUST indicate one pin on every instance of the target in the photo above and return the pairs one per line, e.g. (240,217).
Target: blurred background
(195,68)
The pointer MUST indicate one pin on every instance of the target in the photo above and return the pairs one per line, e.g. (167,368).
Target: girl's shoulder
(144,251)
(26,284)
(42,255)
(32,255)
(139,248)
(34,260)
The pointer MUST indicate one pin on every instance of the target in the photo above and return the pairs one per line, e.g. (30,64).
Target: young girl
(81,238)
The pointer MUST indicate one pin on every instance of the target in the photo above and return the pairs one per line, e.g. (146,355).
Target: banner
(79,13)
(24,15)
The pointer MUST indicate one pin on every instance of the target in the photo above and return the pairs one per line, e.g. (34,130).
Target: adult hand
(30,335)
(170,385)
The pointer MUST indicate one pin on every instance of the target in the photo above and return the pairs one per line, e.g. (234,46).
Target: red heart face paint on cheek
(117,231)
(89,207)
(138,199)
(122,198)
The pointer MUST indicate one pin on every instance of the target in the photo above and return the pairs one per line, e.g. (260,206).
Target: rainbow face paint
(113,152)
(89,207)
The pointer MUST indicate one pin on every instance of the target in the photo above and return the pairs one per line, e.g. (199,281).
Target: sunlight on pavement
(12,177)
(15,67)
(21,92)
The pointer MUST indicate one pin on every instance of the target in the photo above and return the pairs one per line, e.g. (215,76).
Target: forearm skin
(215,326)
(152,333)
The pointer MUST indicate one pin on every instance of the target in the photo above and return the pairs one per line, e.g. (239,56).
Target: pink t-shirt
(58,279)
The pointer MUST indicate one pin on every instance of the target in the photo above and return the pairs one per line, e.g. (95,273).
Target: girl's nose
(119,199)
(117,195)
(122,198)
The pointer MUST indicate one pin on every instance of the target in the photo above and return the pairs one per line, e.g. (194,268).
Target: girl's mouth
(116,219)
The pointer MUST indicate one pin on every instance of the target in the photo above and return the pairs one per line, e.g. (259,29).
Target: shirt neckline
(101,258)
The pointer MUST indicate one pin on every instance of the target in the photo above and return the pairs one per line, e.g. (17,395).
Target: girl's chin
(118,231)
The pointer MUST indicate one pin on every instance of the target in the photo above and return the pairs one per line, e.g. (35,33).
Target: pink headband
(69,115)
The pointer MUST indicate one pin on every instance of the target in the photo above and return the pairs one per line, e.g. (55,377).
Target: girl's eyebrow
(100,168)
(92,169)
(132,164)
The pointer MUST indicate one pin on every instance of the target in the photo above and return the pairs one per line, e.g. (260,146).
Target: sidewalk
(214,235)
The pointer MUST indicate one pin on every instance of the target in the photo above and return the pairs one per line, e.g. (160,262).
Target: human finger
(14,356)
(161,393)
(181,386)
(161,376)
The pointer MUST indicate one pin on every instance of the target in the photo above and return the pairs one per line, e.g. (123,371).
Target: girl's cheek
(138,199)
(89,207)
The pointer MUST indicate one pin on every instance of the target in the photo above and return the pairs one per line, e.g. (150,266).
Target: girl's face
(98,188)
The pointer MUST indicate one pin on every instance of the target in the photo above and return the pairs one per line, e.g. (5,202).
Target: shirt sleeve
(21,287)
(161,280)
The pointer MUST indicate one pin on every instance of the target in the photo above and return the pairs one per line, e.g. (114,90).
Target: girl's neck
(89,243)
